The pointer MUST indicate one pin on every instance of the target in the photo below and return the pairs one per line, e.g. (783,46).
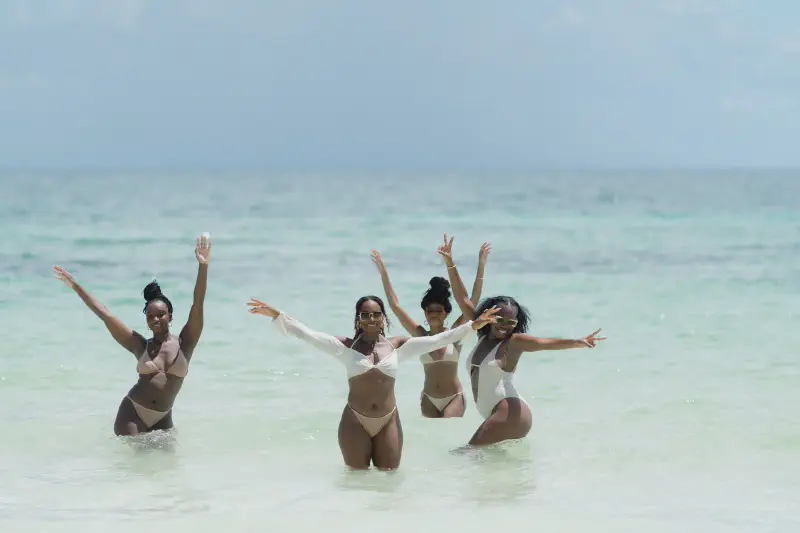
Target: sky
(345,84)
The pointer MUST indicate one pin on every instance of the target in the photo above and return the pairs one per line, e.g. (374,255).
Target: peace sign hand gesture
(590,340)
(446,250)
(487,317)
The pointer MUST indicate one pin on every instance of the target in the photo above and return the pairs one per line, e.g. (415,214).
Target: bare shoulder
(397,342)
(518,343)
(419,332)
(347,341)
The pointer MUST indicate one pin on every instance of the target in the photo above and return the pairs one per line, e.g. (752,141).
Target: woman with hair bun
(493,361)
(441,395)
(163,360)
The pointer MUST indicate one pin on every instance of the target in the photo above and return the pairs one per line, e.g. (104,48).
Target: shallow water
(684,419)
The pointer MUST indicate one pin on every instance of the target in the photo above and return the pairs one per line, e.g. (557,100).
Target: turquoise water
(684,419)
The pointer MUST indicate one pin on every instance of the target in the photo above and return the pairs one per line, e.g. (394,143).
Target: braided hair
(523,318)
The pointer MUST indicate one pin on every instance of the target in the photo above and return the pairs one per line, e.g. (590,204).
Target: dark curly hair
(438,293)
(377,300)
(523,318)
(152,292)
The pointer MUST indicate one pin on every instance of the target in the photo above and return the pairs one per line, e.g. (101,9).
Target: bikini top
(451,355)
(178,368)
(355,362)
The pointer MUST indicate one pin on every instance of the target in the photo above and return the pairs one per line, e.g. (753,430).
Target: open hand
(64,276)
(590,340)
(483,255)
(203,249)
(257,307)
(446,250)
(378,260)
(487,317)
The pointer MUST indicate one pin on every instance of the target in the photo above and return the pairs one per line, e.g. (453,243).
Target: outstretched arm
(459,291)
(125,336)
(408,323)
(528,343)
(289,326)
(194,326)
(417,346)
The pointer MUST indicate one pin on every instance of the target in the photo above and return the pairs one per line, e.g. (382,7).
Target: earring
(445,324)
(426,323)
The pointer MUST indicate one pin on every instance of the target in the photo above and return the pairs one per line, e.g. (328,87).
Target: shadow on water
(498,474)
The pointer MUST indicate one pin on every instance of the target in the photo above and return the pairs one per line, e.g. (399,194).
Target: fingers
(596,332)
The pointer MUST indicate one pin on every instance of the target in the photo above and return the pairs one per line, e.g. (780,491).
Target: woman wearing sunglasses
(494,359)
(370,430)
(442,395)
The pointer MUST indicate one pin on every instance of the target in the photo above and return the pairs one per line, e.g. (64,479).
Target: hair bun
(152,291)
(439,284)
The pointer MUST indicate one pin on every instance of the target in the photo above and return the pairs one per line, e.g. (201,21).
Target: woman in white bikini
(442,395)
(162,361)
(370,430)
(494,359)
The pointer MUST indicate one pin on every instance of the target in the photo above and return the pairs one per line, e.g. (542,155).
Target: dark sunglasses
(506,321)
(364,315)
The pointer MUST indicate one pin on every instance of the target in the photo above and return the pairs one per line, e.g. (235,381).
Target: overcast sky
(344,84)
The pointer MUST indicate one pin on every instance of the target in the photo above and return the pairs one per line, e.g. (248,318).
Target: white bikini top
(451,355)
(355,362)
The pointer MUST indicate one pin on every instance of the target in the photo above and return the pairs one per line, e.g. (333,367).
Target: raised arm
(417,346)
(528,343)
(291,327)
(459,291)
(125,336)
(477,285)
(408,323)
(190,334)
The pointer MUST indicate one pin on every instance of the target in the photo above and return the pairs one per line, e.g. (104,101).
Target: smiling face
(158,316)
(506,322)
(435,314)
(370,317)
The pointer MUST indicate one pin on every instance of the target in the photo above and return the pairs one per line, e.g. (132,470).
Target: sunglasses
(506,321)
(364,315)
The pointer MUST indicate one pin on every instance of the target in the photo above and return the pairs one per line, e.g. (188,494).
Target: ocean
(685,419)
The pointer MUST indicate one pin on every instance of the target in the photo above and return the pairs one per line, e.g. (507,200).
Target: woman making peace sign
(369,429)
(493,361)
